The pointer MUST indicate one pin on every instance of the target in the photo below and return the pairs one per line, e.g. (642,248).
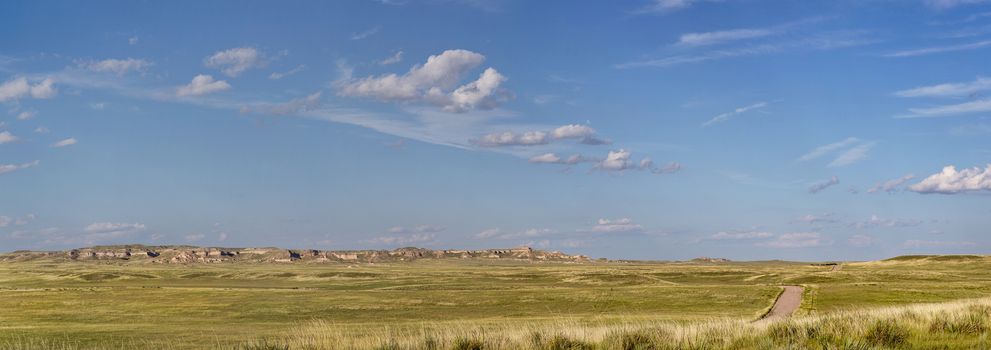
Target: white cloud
(133,40)
(395,58)
(948,89)
(948,4)
(977,106)
(826,149)
(723,235)
(616,226)
(796,240)
(940,49)
(572,131)
(489,233)
(277,75)
(816,187)
(668,6)
(860,241)
(891,186)
(716,37)
(916,243)
(816,219)
(852,155)
(293,106)
(98,227)
(7,137)
(222,236)
(25,115)
(669,168)
(546,158)
(529,138)
(9,168)
(41,130)
(416,229)
(405,239)
(202,85)
(616,161)
(233,62)
(194,237)
(432,82)
(726,116)
(476,94)
(63,143)
(17,88)
(951,181)
(875,221)
(365,34)
(117,66)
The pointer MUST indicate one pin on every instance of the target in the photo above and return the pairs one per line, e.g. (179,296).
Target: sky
(636,129)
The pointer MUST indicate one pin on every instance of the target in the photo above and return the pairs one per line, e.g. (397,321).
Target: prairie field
(907,302)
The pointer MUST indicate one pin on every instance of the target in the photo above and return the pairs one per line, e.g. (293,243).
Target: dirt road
(787,303)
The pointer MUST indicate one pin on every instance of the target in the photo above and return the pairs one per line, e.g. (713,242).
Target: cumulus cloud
(7,137)
(819,186)
(948,89)
(9,168)
(546,158)
(952,181)
(202,85)
(104,230)
(395,58)
(529,138)
(891,186)
(489,233)
(796,240)
(433,82)
(616,226)
(117,66)
(278,75)
(18,88)
(233,62)
(669,168)
(64,143)
(726,116)
(41,130)
(25,115)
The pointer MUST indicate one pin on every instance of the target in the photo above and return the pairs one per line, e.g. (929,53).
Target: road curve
(787,303)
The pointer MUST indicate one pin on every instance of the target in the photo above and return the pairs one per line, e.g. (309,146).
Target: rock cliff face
(194,255)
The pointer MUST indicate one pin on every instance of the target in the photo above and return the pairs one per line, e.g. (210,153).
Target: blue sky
(650,129)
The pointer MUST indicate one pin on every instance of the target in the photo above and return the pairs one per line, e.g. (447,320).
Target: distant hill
(183,254)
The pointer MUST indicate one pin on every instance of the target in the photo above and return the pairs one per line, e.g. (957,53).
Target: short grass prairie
(452,303)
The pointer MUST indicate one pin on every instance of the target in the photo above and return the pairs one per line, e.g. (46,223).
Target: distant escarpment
(193,255)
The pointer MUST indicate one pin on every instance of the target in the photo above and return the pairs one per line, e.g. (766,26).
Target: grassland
(443,303)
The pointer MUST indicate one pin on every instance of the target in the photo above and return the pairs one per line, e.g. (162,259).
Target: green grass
(91,305)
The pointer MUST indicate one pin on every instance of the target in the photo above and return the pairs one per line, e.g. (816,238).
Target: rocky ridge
(192,255)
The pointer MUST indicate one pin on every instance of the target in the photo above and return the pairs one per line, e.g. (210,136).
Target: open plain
(49,301)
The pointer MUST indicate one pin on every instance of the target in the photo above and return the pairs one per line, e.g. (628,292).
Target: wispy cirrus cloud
(851,150)
(9,168)
(740,110)
(940,49)
(891,186)
(948,89)
(668,6)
